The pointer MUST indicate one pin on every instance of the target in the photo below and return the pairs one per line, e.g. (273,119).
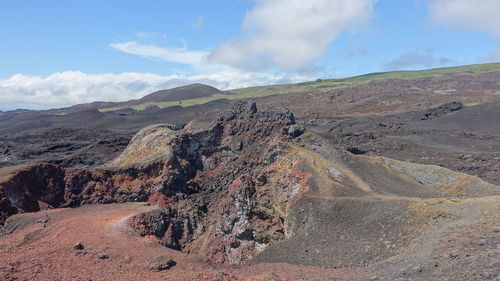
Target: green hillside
(321,85)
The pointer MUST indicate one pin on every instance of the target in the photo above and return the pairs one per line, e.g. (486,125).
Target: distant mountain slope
(180,93)
(173,97)
(196,94)
(164,98)
(320,84)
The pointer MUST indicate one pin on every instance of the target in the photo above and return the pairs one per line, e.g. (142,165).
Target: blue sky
(58,53)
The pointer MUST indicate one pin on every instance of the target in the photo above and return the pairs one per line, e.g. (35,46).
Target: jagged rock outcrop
(223,203)
(30,189)
(442,110)
(219,195)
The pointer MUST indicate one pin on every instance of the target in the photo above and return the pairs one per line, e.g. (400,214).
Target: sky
(58,53)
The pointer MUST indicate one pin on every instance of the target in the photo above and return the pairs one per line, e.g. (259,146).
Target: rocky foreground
(214,183)
(249,196)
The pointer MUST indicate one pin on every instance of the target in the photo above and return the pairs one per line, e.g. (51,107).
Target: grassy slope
(323,85)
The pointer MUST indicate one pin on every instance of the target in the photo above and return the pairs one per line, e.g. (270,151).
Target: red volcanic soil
(43,248)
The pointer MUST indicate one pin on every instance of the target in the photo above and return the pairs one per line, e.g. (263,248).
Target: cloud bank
(469,14)
(74,87)
(291,33)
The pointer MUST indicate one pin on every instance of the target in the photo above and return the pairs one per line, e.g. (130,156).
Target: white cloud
(285,33)
(150,35)
(178,55)
(291,33)
(195,58)
(74,87)
(470,14)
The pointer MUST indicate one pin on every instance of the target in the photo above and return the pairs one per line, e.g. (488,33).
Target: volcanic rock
(203,176)
(442,110)
(162,263)
(78,246)
(103,256)
(241,189)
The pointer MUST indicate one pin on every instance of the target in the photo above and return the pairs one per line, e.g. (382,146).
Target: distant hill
(192,91)
(322,84)
(81,107)
(318,86)
(173,97)
(163,98)
(196,94)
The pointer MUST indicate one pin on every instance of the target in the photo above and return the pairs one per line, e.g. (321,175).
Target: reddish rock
(209,180)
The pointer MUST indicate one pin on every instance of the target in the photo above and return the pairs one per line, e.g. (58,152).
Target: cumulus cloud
(74,87)
(285,33)
(471,14)
(416,60)
(291,33)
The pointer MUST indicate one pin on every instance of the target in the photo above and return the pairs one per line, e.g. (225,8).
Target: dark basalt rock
(296,130)
(442,110)
(356,150)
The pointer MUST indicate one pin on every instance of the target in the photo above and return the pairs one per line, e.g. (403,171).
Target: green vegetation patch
(319,86)
(328,84)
